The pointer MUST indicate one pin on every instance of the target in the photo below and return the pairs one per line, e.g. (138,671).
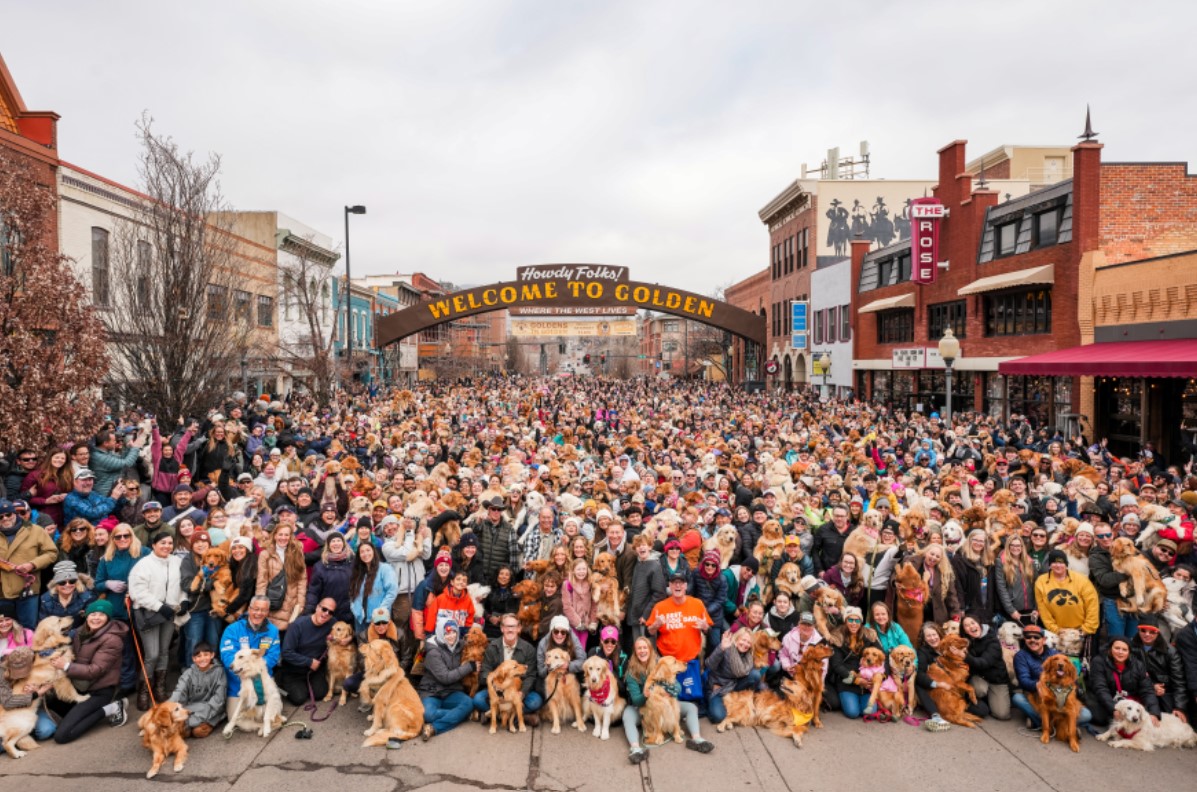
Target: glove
(166,611)
(472,666)
(117,586)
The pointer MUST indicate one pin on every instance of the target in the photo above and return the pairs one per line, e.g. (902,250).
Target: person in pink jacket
(577,604)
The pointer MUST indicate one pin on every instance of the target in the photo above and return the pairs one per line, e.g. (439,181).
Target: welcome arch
(580,292)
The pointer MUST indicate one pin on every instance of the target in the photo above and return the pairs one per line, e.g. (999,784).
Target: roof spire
(981,183)
(1088,134)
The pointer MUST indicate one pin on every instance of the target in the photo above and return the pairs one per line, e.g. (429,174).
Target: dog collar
(46,652)
(1125,735)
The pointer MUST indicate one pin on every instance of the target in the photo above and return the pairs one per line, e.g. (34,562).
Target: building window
(145,254)
(218,299)
(1045,228)
(1007,239)
(845,324)
(265,311)
(895,327)
(99,267)
(805,247)
(944,315)
(241,308)
(832,322)
(818,338)
(1026,312)
(904,268)
(671,326)
(885,270)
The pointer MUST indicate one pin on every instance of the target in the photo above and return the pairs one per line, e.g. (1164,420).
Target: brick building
(32,137)
(753,295)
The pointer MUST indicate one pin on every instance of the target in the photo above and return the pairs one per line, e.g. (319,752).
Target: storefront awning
(1023,277)
(1172,358)
(884,304)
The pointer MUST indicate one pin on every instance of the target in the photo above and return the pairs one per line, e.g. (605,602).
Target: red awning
(1172,358)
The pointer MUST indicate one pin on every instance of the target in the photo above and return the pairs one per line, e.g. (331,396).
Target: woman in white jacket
(155,592)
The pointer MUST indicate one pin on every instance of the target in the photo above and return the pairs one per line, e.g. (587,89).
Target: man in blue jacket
(1028,666)
(253,630)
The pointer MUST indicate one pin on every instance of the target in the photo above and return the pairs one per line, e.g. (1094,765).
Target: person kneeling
(300,673)
(509,646)
(201,691)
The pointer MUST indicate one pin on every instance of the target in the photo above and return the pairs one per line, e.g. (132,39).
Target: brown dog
(472,651)
(531,596)
(506,696)
(829,614)
(1144,592)
(912,593)
(562,691)
(216,568)
(50,640)
(895,692)
(1057,703)
(381,664)
(605,590)
(790,713)
(764,644)
(161,731)
(342,647)
(398,713)
(788,579)
(661,715)
(952,692)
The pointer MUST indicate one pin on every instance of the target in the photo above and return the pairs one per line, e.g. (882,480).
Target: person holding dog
(201,690)
(254,630)
(1116,674)
(510,646)
(96,669)
(1028,667)
(15,693)
(446,704)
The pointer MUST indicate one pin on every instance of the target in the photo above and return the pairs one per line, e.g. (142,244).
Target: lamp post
(359,210)
(826,359)
(949,350)
(244,374)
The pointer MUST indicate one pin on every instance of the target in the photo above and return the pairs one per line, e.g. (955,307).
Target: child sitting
(201,690)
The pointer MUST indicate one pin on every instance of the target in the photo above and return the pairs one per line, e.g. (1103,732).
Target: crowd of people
(723,519)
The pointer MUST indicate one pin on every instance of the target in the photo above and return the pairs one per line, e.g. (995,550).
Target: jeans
(1020,700)
(445,712)
(1117,623)
(532,701)
(44,729)
(130,673)
(852,704)
(631,722)
(200,627)
(716,712)
(26,612)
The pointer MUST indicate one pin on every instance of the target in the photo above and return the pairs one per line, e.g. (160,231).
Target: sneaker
(121,716)
(936,724)
(636,755)
(394,745)
(702,746)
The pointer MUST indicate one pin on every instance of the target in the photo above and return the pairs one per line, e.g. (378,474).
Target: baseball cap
(676,576)
(150,506)
(244,477)
(84,473)
(380,615)
(807,618)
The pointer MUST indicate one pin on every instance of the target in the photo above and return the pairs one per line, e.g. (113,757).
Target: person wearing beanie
(710,586)
(446,704)
(330,578)
(98,649)
(66,596)
(155,591)
(559,636)
(1066,600)
(201,690)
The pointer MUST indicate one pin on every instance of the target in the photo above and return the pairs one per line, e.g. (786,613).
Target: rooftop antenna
(1088,134)
(981,183)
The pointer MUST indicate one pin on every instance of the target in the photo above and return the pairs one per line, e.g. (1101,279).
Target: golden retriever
(764,646)
(1057,701)
(251,713)
(605,590)
(380,665)
(16,729)
(952,692)
(216,567)
(661,715)
(724,541)
(531,595)
(342,649)
(161,730)
(1132,727)
(507,697)
(829,614)
(770,545)
(895,693)
(788,579)
(50,640)
(911,597)
(1143,592)
(789,713)
(398,712)
(472,651)
(563,695)
(602,701)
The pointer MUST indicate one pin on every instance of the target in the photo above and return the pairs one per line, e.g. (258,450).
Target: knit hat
(443,557)
(332,506)
(559,622)
(1085,528)
(752,564)
(1056,556)
(243,541)
(64,571)
(19,662)
(100,606)
(469,539)
(671,544)
(201,536)
(1127,500)
(609,633)
(852,612)
(712,556)
(809,583)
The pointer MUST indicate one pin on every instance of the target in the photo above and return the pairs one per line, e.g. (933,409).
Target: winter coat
(524,654)
(578,605)
(1105,578)
(92,507)
(978,589)
(29,545)
(330,579)
(781,625)
(45,489)
(1165,668)
(269,566)
(116,569)
(498,546)
(154,582)
(265,639)
(828,547)
(382,595)
(443,669)
(98,658)
(985,659)
(408,574)
(202,693)
(713,593)
(648,588)
(49,605)
(498,602)
(109,466)
(844,662)
(1103,683)
(1028,667)
(576,654)
(720,672)
(1017,596)
(792,650)
(893,636)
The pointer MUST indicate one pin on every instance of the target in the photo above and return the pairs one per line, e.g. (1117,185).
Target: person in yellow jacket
(1065,599)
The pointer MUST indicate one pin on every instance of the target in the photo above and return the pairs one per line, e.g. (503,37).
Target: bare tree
(304,270)
(181,322)
(52,356)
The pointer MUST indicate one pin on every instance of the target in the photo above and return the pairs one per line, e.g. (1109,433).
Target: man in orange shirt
(453,603)
(679,622)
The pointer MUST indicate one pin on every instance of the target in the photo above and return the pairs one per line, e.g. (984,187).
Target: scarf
(337,558)
(739,664)
(603,694)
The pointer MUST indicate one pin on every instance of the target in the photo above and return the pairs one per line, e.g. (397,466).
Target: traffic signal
(586,359)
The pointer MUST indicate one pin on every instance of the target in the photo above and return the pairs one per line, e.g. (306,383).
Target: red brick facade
(1148,210)
(31,135)
(754,294)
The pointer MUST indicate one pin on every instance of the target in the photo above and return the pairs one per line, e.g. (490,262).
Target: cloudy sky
(486,135)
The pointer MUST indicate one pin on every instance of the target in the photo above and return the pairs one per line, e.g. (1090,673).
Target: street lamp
(358,210)
(244,374)
(823,364)
(949,350)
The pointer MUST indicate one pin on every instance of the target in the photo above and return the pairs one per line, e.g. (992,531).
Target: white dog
(253,711)
(1177,611)
(478,593)
(1132,727)
(1009,635)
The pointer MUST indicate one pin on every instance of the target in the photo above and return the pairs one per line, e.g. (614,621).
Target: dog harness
(1127,735)
(1061,693)
(603,695)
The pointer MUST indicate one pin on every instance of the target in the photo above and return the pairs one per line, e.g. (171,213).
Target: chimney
(860,247)
(1086,194)
(951,166)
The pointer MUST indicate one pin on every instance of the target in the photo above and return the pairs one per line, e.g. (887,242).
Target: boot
(160,692)
(143,696)
(201,731)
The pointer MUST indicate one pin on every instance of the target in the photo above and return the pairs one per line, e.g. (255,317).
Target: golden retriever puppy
(50,640)
(342,648)
(601,701)
(216,569)
(398,712)
(380,665)
(1144,592)
(562,691)
(661,716)
(472,651)
(161,730)
(829,614)
(506,696)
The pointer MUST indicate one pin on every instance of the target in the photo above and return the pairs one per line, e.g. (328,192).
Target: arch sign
(585,288)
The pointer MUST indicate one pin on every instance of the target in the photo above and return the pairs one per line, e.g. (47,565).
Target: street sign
(641,357)
(771,367)
(798,325)
(925,217)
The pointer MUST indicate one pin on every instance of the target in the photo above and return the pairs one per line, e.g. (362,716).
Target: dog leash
(137,645)
(314,708)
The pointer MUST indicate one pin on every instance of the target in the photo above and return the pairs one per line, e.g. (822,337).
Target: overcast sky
(487,135)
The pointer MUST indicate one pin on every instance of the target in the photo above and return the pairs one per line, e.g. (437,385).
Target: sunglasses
(710,565)
(27,459)
(1033,639)
(1104,535)
(853,621)
(78,530)
(1166,551)
(323,609)
(122,536)
(610,641)
(560,632)
(1149,630)
(68,582)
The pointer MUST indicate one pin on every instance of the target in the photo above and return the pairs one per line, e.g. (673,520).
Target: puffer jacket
(985,658)
(1164,666)
(1134,681)
(97,660)
(1105,578)
(331,579)
(713,593)
(443,669)
(203,694)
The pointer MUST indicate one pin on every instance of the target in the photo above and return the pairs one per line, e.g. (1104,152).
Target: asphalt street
(843,755)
